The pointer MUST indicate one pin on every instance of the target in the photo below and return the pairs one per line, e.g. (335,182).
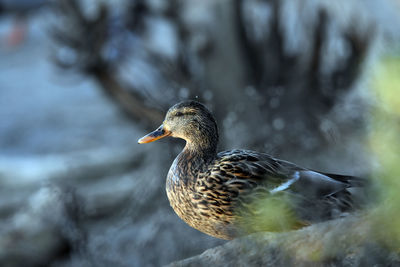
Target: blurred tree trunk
(280,76)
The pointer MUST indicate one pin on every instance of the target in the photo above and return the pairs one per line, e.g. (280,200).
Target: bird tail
(352,181)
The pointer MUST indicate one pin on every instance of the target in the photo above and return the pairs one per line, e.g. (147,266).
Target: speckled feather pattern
(215,193)
(212,197)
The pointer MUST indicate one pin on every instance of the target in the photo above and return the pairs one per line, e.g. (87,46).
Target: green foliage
(270,214)
(385,144)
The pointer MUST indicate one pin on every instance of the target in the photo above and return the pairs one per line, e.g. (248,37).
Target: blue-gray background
(75,187)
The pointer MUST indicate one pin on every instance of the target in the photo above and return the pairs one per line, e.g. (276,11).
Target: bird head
(188,120)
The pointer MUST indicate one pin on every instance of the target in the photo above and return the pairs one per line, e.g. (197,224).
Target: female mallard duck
(233,193)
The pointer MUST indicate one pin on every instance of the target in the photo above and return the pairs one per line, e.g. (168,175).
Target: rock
(42,231)
(342,242)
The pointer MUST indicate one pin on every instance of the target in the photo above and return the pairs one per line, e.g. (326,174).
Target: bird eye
(178,114)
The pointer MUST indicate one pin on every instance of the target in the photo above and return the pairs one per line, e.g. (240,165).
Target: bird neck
(203,143)
(204,151)
(188,164)
(200,151)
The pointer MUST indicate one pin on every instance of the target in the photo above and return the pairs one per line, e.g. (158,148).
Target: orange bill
(159,133)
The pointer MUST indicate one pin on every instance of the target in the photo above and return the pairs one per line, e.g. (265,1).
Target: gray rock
(342,242)
(43,230)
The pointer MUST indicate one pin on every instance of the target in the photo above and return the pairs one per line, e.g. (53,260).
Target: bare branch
(87,40)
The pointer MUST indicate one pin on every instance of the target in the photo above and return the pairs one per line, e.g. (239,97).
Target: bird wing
(245,170)
(255,185)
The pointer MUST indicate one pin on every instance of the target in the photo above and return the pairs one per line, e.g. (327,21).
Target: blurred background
(314,82)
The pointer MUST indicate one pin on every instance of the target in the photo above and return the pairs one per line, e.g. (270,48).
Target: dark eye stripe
(179,114)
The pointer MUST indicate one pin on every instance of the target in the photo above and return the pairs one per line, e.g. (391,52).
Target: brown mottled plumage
(225,194)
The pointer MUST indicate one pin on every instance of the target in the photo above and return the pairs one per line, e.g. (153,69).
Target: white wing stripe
(286,184)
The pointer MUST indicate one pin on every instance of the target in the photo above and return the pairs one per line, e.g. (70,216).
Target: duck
(234,193)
